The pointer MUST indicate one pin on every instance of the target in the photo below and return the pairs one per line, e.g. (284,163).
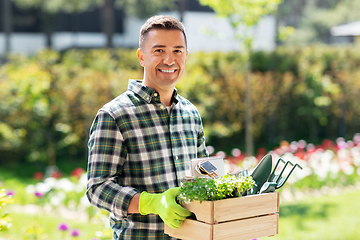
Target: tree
(247,13)
(48,101)
(313,20)
(7,23)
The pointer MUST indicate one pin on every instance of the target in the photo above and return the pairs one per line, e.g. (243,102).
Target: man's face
(163,56)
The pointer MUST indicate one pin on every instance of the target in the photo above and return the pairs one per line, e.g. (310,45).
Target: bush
(48,101)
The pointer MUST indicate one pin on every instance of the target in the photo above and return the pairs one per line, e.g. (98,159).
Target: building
(346,33)
(206,32)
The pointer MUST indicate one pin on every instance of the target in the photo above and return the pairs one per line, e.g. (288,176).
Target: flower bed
(331,164)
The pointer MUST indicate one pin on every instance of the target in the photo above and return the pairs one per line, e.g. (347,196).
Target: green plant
(205,189)
(4,218)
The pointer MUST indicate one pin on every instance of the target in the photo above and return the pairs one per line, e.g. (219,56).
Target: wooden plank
(244,207)
(249,228)
(204,211)
(191,230)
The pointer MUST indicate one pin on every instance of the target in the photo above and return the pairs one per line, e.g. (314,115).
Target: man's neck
(165,93)
(166,97)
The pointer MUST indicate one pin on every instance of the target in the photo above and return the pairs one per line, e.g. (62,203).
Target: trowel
(261,173)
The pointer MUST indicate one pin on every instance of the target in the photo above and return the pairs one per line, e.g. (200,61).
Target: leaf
(207,189)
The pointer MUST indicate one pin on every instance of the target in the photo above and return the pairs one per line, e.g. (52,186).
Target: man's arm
(107,154)
(106,158)
(134,204)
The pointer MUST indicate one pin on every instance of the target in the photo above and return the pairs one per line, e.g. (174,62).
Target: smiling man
(163,55)
(141,143)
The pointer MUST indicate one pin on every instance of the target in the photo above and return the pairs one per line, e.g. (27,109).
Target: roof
(350,29)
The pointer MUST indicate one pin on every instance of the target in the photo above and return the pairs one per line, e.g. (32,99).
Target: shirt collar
(147,93)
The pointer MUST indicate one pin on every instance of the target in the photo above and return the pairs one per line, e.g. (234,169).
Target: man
(141,143)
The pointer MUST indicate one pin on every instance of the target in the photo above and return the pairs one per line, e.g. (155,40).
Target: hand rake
(277,181)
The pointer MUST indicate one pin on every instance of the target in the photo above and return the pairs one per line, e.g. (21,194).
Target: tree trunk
(108,21)
(342,124)
(7,24)
(75,22)
(48,24)
(249,138)
(272,128)
(51,149)
(182,8)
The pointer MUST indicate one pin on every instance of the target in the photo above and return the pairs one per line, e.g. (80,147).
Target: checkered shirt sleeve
(135,145)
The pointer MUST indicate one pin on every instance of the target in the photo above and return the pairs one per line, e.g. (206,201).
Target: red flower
(38,176)
(77,172)
(262,151)
(300,155)
(56,175)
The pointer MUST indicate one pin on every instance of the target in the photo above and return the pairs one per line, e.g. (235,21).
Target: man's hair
(160,22)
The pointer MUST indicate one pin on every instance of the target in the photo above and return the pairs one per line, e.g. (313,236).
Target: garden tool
(240,173)
(261,173)
(268,187)
(277,181)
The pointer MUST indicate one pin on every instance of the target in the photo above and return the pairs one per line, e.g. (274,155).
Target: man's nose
(169,59)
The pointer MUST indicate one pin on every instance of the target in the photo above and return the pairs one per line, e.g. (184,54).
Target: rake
(277,181)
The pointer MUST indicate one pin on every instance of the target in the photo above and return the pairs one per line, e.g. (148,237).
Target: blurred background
(268,77)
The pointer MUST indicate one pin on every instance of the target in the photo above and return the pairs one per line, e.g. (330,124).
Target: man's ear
(140,55)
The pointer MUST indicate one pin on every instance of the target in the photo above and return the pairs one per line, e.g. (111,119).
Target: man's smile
(167,70)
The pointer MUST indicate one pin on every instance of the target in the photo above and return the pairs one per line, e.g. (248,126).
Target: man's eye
(158,50)
(178,51)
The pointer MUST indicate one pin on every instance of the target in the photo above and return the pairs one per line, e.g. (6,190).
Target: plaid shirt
(135,146)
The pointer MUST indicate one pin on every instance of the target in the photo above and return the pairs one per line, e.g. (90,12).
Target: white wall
(207,32)
(28,43)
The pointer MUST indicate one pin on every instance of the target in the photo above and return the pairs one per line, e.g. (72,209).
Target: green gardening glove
(164,205)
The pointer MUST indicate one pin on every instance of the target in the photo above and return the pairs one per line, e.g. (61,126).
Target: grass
(41,227)
(326,217)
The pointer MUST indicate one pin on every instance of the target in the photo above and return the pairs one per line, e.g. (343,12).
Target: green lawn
(45,227)
(328,217)
(321,218)
(40,226)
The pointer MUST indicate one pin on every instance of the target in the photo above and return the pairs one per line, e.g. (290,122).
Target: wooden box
(235,218)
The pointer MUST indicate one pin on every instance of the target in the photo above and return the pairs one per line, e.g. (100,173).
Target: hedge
(48,101)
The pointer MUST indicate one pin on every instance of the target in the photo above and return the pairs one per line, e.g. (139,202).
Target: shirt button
(148,98)
(155,94)
(176,157)
(162,107)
